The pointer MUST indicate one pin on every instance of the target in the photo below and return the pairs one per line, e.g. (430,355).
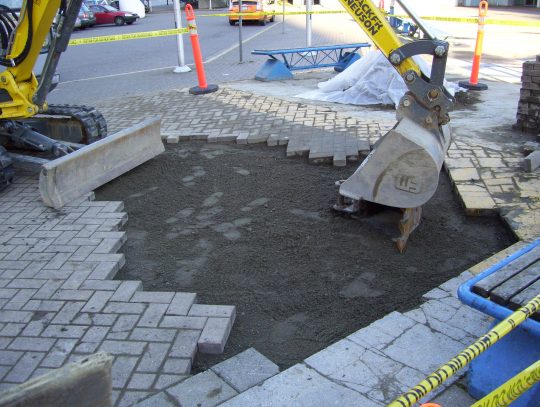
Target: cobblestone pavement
(59,302)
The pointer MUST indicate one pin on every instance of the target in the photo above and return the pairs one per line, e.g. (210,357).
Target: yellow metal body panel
(19,81)
(372,21)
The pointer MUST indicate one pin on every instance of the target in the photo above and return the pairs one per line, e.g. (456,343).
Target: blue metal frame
(311,57)
(497,311)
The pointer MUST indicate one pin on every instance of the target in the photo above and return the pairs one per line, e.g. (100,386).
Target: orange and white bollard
(473,84)
(197,56)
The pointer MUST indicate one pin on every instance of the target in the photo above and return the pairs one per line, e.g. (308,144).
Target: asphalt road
(92,72)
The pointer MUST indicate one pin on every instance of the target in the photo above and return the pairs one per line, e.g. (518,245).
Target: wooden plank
(516,284)
(525,296)
(86,383)
(486,285)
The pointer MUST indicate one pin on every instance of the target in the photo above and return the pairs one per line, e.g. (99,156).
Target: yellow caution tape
(471,20)
(175,31)
(512,389)
(516,23)
(132,36)
(447,370)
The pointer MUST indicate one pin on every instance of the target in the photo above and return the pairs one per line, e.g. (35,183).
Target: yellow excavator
(402,170)
(73,153)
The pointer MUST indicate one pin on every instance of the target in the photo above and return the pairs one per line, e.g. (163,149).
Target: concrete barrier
(78,173)
(86,383)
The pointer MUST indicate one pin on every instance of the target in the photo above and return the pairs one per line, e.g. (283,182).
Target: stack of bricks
(528,114)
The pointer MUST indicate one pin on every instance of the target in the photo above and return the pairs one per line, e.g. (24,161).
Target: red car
(109,15)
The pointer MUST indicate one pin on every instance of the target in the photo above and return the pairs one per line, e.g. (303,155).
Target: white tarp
(371,80)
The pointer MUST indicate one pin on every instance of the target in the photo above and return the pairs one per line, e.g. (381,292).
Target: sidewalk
(59,302)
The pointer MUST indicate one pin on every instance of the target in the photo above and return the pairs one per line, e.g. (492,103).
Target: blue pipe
(486,306)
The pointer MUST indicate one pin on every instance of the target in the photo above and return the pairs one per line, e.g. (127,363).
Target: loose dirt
(247,226)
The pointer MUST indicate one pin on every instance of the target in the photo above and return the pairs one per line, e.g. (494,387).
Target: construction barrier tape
(472,20)
(175,31)
(512,389)
(132,36)
(447,370)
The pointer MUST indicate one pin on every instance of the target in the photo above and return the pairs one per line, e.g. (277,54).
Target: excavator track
(72,123)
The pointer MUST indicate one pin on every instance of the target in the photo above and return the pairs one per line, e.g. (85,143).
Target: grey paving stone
(32,344)
(219,311)
(245,370)
(25,367)
(141,381)
(372,336)
(73,295)
(452,285)
(177,366)
(332,359)
(64,331)
(153,334)
(59,353)
(153,357)
(123,347)
(106,269)
(153,314)
(9,357)
(185,345)
(12,329)
(43,305)
(100,285)
(299,386)
(124,308)
(125,323)
(167,380)
(203,390)
(121,370)
(435,294)
(214,335)
(131,397)
(435,349)
(159,297)
(95,334)
(181,303)
(182,322)
(158,400)
(97,301)
(68,313)
(15,316)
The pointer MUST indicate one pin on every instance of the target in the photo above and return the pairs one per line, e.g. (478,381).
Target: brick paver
(58,303)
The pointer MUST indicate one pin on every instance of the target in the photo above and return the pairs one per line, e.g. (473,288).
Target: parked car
(257,7)
(87,17)
(146,3)
(110,15)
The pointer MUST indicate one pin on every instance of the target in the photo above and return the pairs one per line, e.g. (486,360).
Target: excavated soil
(248,226)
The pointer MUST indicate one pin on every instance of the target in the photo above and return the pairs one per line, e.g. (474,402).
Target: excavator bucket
(403,168)
(80,172)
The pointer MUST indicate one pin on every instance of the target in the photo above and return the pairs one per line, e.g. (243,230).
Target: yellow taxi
(256,7)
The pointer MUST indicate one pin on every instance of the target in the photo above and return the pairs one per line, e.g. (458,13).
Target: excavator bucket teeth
(80,172)
(403,168)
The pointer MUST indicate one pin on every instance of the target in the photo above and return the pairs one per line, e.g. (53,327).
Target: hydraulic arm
(402,170)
